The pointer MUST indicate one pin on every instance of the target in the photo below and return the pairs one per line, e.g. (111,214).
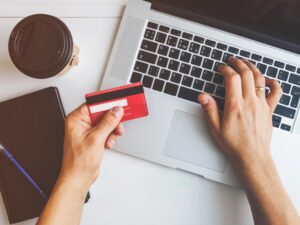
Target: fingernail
(111,143)
(204,100)
(117,111)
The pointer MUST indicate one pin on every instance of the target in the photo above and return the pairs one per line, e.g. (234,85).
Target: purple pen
(10,157)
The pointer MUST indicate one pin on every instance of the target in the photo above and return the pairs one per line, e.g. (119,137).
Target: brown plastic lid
(41,46)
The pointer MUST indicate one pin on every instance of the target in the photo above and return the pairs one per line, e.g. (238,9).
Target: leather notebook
(32,129)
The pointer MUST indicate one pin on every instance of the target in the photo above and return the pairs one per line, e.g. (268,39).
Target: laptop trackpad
(189,140)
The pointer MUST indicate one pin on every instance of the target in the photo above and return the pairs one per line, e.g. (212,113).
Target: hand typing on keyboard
(244,134)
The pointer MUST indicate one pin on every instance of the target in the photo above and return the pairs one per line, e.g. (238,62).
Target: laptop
(174,47)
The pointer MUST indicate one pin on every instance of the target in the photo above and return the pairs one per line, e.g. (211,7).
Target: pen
(11,159)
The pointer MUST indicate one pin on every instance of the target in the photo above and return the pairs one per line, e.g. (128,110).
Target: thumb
(109,122)
(210,108)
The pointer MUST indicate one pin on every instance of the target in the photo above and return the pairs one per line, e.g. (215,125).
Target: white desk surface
(129,191)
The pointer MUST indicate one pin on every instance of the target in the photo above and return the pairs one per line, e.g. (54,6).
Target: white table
(129,191)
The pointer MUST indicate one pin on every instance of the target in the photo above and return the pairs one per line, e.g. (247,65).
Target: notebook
(32,129)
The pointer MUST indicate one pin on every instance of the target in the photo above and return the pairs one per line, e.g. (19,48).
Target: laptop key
(185,57)
(162,61)
(272,71)
(205,51)
(208,64)
(185,68)
(147,57)
(136,77)
(276,124)
(152,25)
(217,65)
(198,84)
(207,75)
(194,47)
(220,91)
(268,60)
(147,81)
(279,64)
(173,65)
(164,74)
(176,32)
(286,87)
(294,79)
(196,72)
(245,53)
(285,111)
(176,77)
(149,34)
(163,50)
(187,35)
(262,68)
(233,50)
(226,56)
(222,46)
(141,67)
(149,45)
(199,39)
(188,94)
(153,71)
(298,70)
(210,43)
(296,96)
(276,118)
(285,99)
(283,75)
(183,44)
(209,88)
(216,54)
(187,81)
(174,53)
(196,60)
(256,57)
(290,68)
(171,89)
(285,127)
(218,78)
(172,41)
(164,29)
(158,85)
(161,37)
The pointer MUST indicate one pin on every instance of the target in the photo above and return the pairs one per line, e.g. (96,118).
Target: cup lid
(41,46)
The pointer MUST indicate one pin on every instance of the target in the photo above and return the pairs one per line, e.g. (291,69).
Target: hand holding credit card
(131,97)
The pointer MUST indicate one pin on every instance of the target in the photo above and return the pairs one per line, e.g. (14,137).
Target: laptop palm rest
(189,140)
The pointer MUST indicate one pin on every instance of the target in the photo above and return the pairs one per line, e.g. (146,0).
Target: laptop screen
(276,22)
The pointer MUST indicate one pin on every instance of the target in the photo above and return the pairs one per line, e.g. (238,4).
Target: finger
(232,80)
(108,123)
(210,108)
(275,93)
(119,130)
(80,115)
(111,141)
(246,74)
(259,79)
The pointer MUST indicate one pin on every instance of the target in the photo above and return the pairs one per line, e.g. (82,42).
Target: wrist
(74,185)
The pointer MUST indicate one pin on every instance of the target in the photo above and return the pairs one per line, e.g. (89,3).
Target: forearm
(267,197)
(65,204)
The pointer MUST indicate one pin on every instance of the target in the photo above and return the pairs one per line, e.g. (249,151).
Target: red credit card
(131,97)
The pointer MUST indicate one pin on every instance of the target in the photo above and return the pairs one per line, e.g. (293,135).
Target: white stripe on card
(108,106)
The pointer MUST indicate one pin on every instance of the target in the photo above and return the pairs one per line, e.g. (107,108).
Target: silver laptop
(174,47)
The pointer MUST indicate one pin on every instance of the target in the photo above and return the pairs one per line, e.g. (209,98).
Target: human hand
(244,132)
(84,145)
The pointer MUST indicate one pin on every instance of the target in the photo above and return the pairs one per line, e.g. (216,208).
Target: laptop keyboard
(183,64)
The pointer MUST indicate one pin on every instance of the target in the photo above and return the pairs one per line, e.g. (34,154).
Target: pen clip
(1,147)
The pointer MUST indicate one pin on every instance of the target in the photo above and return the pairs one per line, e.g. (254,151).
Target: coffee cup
(41,46)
